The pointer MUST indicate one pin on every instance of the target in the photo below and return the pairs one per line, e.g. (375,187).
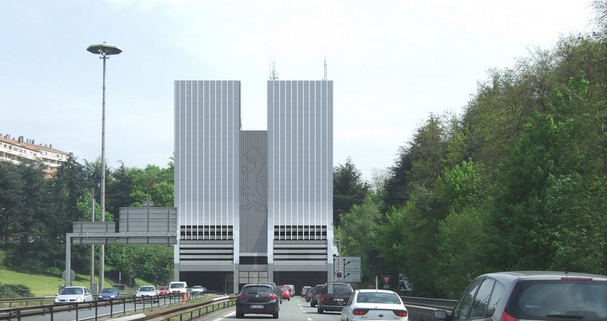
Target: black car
(257,299)
(333,296)
(314,296)
(532,295)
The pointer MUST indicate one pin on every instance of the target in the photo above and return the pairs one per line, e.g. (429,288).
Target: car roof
(259,284)
(375,290)
(540,275)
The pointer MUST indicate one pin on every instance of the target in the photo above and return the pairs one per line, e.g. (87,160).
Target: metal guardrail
(140,304)
(193,311)
(422,309)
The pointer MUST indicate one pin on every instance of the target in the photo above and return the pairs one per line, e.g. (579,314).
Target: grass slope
(43,285)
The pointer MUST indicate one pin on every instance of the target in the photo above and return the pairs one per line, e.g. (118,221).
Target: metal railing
(138,304)
(422,309)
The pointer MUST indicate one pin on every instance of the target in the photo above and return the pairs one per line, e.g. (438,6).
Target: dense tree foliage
(348,189)
(38,213)
(516,182)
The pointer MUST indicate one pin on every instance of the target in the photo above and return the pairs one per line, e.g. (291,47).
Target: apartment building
(20,149)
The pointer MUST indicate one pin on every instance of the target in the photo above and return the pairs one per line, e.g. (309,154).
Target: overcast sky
(393,63)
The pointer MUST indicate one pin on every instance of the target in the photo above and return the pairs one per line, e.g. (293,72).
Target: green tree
(349,189)
(358,231)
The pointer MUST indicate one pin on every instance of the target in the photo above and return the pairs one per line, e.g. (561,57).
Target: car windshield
(109,290)
(377,297)
(147,289)
(164,287)
(537,300)
(177,286)
(71,291)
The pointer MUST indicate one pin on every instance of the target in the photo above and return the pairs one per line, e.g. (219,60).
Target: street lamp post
(104,51)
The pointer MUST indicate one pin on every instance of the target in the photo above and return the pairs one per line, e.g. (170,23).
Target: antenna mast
(273,73)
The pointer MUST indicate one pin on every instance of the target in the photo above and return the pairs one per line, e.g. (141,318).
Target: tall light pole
(104,51)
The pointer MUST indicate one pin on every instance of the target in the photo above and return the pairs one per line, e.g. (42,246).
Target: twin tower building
(254,206)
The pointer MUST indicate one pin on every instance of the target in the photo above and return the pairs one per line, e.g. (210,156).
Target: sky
(393,64)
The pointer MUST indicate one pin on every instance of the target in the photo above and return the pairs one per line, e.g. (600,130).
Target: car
(291,289)
(276,290)
(531,295)
(109,294)
(178,287)
(198,289)
(304,290)
(257,298)
(163,290)
(146,291)
(309,294)
(314,295)
(333,296)
(74,294)
(369,304)
(285,292)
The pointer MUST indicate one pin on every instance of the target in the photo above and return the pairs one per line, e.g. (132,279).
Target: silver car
(532,295)
(73,294)
(147,291)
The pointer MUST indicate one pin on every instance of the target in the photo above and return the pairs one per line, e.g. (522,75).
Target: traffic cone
(185,297)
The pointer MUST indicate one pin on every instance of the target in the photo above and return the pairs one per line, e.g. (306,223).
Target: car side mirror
(440,314)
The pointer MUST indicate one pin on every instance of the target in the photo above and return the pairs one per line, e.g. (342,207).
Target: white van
(178,287)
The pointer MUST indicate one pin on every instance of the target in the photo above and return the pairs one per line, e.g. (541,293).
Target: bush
(9,291)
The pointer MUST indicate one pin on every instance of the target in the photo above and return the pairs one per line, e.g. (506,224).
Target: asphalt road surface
(295,310)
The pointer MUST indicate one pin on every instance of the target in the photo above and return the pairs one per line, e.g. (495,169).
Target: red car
(286,292)
(163,290)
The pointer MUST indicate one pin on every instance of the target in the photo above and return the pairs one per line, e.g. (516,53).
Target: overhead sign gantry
(135,226)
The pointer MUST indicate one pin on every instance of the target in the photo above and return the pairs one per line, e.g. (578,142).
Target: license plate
(339,300)
(257,306)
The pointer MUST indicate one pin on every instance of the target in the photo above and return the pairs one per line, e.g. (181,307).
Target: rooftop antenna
(325,68)
(273,73)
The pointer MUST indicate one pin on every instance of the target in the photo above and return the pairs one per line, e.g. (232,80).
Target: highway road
(295,310)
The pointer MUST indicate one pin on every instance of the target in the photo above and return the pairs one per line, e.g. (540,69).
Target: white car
(146,290)
(74,294)
(198,289)
(369,304)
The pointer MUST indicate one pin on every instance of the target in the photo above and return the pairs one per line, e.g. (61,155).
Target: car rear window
(257,290)
(339,289)
(536,300)
(378,297)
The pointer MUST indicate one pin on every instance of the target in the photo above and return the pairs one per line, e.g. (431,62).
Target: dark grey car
(532,295)
(257,299)
(333,296)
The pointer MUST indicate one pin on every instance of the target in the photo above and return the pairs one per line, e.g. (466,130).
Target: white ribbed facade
(300,166)
(207,134)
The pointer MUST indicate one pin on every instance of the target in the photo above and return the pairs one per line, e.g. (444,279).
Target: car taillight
(272,296)
(322,298)
(401,313)
(360,311)
(242,297)
(508,317)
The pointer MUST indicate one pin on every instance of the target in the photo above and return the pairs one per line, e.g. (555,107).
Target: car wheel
(239,315)
(275,315)
(319,310)
(312,304)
